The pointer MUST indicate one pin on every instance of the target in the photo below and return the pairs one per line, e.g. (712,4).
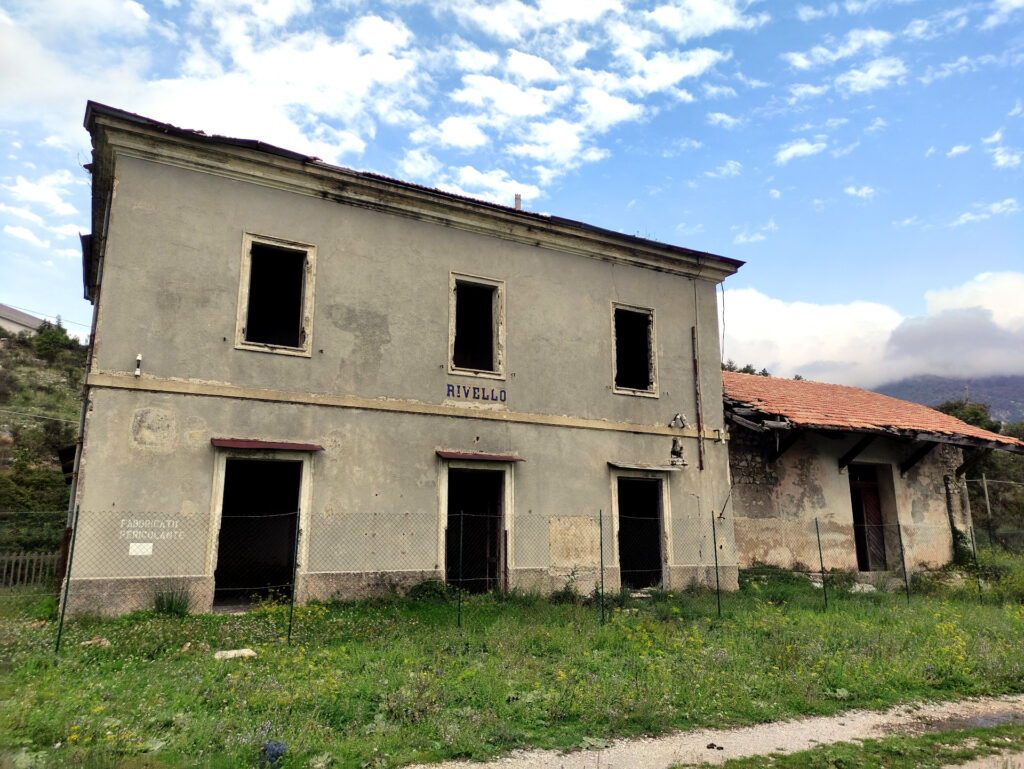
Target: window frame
(497,325)
(652,340)
(305,347)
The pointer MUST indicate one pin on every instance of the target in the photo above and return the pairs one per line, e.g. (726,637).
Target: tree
(748,368)
(51,339)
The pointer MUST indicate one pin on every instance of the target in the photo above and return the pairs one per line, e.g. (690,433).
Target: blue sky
(864,157)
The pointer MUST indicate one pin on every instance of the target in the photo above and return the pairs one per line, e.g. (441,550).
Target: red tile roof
(837,407)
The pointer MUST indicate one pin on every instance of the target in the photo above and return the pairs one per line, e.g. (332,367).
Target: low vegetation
(389,682)
(40,376)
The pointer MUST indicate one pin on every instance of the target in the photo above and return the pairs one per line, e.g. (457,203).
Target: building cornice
(120,134)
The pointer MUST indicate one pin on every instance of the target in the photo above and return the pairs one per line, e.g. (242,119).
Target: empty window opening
(276,293)
(634,360)
(475,546)
(473,347)
(259,515)
(640,538)
(868,528)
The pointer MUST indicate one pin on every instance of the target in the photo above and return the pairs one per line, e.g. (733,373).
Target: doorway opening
(475,547)
(640,532)
(258,528)
(868,526)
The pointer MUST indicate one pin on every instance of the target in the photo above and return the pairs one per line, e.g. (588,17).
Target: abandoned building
(307,377)
(869,473)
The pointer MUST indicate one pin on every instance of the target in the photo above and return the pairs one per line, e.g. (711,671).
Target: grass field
(389,682)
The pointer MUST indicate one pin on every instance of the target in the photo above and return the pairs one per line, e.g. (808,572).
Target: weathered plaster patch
(368,331)
(574,540)
(153,429)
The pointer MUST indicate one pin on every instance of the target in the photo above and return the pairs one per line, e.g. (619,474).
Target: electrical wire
(39,416)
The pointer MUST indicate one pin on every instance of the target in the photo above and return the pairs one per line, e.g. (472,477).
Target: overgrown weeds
(395,681)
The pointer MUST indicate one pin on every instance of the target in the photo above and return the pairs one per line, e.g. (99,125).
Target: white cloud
(930,151)
(800,91)
(718,91)
(1002,10)
(806,13)
(936,26)
(496,186)
(996,137)
(603,110)
(419,164)
(472,59)
(21,213)
(860,192)
(910,220)
(1018,109)
(959,149)
(980,212)
(461,132)
(66,230)
(49,191)
(839,152)
(797,149)
(876,125)
(1005,157)
(23,233)
(960,66)
(504,98)
(688,19)
(724,120)
(998,292)
(743,238)
(729,168)
(877,74)
(856,41)
(681,145)
(774,194)
(530,68)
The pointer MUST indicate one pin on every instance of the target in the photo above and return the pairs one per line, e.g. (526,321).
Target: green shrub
(172,600)
(431,590)
(44,609)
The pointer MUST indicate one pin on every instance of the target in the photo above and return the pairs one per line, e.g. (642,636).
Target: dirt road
(718,745)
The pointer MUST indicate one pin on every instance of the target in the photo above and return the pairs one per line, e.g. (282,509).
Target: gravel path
(782,737)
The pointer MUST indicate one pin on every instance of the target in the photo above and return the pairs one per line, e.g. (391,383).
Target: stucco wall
(380,331)
(777,503)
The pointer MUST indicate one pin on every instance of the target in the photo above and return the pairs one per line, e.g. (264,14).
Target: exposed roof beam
(916,456)
(745,422)
(971,460)
(856,450)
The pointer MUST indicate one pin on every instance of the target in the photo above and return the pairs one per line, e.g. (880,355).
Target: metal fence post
(903,558)
(462,516)
(977,570)
(714,542)
(67,582)
(988,509)
(600,537)
(821,561)
(295,573)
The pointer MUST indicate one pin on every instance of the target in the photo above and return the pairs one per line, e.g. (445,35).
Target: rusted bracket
(783,444)
(971,461)
(916,456)
(855,451)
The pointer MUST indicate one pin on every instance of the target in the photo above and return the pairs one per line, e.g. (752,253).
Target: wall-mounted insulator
(138,364)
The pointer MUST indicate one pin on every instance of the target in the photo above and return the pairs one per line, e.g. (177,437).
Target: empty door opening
(475,548)
(868,529)
(259,516)
(640,539)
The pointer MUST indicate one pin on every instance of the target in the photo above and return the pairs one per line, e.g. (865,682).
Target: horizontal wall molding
(128,381)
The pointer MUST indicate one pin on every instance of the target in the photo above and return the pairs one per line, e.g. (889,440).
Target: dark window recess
(633,368)
(474,327)
(640,532)
(256,546)
(274,314)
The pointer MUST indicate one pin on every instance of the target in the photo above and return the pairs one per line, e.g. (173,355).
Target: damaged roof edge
(701,258)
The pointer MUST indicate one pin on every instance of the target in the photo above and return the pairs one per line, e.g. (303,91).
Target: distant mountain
(1003,394)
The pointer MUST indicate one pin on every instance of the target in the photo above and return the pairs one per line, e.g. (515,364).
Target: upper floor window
(636,371)
(275,296)
(476,326)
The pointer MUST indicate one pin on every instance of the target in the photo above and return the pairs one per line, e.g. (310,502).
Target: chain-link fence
(263,563)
